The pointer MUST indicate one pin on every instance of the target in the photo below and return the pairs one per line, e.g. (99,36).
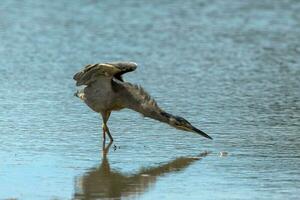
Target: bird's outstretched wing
(123,68)
(114,69)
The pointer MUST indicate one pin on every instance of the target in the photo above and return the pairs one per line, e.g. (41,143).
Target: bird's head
(183,124)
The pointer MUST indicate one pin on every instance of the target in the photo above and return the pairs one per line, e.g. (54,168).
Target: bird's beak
(191,128)
(195,130)
(183,124)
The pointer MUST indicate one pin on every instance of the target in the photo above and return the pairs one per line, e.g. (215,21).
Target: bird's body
(100,96)
(106,91)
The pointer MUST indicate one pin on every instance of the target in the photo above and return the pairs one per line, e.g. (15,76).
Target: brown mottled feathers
(144,96)
(137,94)
(114,69)
(124,67)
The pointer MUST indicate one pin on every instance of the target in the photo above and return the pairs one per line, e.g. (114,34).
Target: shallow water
(232,69)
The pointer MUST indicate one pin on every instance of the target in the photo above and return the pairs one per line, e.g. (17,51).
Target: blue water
(232,69)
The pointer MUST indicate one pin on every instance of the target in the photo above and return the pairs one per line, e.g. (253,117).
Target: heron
(105,91)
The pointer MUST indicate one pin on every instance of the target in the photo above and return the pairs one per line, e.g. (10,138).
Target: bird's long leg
(105,117)
(103,134)
(109,135)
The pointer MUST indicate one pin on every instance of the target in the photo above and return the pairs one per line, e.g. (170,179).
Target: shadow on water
(103,182)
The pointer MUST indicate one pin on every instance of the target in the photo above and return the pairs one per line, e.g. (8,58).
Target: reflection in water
(103,182)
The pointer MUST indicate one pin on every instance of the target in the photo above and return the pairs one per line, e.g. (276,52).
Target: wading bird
(106,91)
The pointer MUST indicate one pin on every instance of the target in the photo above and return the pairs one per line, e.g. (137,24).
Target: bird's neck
(165,117)
(158,115)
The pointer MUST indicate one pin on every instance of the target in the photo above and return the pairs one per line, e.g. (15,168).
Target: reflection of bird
(105,183)
(106,91)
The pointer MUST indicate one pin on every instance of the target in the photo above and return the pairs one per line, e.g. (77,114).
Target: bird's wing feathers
(114,69)
(123,68)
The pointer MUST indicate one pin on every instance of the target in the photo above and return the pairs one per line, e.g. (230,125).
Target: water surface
(232,69)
